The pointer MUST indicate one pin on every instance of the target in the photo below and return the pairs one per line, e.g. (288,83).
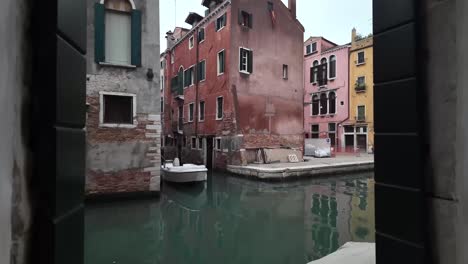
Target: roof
(319,37)
(192,17)
(207,3)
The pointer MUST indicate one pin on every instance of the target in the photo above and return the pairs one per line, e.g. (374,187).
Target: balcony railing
(360,87)
(361,118)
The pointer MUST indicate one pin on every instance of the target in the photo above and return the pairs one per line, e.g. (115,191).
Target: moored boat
(183,174)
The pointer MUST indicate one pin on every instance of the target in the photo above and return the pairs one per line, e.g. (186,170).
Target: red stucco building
(234,83)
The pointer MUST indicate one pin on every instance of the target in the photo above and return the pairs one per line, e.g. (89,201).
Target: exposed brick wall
(132,180)
(253,141)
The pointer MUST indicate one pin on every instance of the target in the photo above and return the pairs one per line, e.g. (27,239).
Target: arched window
(332,103)
(323,104)
(314,72)
(322,72)
(315,105)
(332,67)
(117,32)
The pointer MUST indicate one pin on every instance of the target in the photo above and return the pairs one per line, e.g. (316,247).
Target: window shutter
(136,37)
(241,18)
(250,61)
(99,28)
(311,74)
(250,20)
(241,51)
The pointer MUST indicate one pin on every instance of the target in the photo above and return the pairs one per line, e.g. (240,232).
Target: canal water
(233,220)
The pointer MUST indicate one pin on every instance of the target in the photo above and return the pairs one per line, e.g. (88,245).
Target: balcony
(360,118)
(360,87)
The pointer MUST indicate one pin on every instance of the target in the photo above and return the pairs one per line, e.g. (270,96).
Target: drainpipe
(349,95)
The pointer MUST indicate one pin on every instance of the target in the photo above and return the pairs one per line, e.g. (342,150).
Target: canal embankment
(311,167)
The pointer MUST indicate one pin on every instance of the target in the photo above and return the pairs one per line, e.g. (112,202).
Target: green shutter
(250,20)
(99,33)
(136,37)
(250,62)
(240,17)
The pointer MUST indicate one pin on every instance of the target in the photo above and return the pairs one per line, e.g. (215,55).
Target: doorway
(209,152)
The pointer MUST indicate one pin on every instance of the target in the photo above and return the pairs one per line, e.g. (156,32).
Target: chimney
(353,35)
(170,39)
(292,7)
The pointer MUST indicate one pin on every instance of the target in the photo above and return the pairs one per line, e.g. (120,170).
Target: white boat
(183,174)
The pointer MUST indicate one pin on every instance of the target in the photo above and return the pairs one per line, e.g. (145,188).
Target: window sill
(219,119)
(220,29)
(285,79)
(118,125)
(200,42)
(202,80)
(332,79)
(311,53)
(359,64)
(201,121)
(109,64)
(245,72)
(222,73)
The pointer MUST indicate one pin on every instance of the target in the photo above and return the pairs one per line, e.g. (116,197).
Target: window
(162,105)
(191,40)
(221,22)
(221,62)
(201,111)
(332,70)
(285,71)
(162,83)
(314,72)
(194,143)
(315,105)
(172,57)
(349,129)
(245,60)
(332,103)
(201,35)
(361,83)
(322,73)
(117,108)
(361,59)
(200,143)
(311,48)
(270,6)
(332,133)
(218,143)
(323,104)
(191,105)
(163,64)
(189,77)
(118,37)
(201,70)
(361,113)
(219,108)
(315,131)
(245,19)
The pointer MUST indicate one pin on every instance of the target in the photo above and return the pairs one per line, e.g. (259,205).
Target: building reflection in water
(232,220)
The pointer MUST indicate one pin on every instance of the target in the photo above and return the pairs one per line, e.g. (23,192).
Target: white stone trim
(101,110)
(131,2)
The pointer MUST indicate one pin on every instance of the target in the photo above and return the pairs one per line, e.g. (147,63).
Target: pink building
(326,89)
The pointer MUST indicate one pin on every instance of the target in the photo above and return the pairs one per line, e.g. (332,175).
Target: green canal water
(233,220)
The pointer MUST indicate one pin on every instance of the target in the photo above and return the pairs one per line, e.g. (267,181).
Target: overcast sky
(332,19)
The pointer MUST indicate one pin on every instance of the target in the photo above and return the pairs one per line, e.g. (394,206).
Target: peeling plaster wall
(125,159)
(14,78)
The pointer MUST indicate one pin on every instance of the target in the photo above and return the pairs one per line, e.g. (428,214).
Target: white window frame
(191,42)
(204,79)
(199,111)
(198,143)
(218,65)
(218,108)
(357,111)
(162,83)
(217,146)
(357,59)
(204,35)
(172,57)
(101,110)
(246,71)
(192,146)
(362,76)
(190,118)
(225,22)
